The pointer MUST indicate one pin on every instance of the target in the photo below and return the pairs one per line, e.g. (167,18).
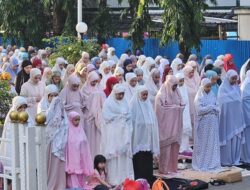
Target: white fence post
(28,170)
(27,157)
(41,150)
(15,161)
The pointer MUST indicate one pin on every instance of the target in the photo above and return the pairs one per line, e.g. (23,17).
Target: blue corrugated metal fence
(239,49)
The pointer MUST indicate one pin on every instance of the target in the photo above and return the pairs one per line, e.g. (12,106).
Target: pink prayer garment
(169,112)
(79,164)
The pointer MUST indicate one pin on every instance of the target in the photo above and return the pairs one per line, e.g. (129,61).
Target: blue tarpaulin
(239,49)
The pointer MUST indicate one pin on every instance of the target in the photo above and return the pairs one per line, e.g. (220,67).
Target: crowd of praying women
(110,118)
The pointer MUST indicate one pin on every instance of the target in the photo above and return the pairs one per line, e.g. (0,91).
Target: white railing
(28,170)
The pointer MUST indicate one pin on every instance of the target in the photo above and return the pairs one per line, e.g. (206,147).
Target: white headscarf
(141,61)
(5,147)
(60,60)
(218,63)
(116,120)
(202,97)
(104,65)
(164,62)
(111,63)
(112,57)
(228,92)
(43,105)
(220,57)
(57,127)
(187,127)
(243,71)
(157,59)
(118,71)
(123,57)
(246,81)
(130,91)
(175,63)
(115,107)
(34,72)
(149,62)
(152,87)
(145,126)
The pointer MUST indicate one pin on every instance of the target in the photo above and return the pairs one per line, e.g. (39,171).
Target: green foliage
(71,48)
(23,20)
(5,98)
(63,14)
(102,25)
(183,23)
(141,21)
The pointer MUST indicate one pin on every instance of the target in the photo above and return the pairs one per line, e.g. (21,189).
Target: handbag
(230,176)
(185,184)
(159,184)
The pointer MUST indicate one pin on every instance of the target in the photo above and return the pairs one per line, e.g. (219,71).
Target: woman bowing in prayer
(169,111)
(231,120)
(56,137)
(206,154)
(33,91)
(116,137)
(94,97)
(145,139)
(130,85)
(245,88)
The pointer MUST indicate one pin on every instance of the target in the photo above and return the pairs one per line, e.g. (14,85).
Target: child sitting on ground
(98,180)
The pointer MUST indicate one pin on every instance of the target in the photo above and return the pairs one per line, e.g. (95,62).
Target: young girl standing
(78,159)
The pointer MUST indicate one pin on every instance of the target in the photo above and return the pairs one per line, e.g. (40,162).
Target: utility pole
(79,13)
(237,3)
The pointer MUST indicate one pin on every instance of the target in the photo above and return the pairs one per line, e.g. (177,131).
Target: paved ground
(244,185)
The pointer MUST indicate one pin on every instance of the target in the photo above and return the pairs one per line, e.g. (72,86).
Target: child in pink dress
(79,164)
(98,180)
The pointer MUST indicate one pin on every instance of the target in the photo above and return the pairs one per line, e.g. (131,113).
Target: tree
(182,22)
(102,25)
(63,15)
(23,20)
(141,20)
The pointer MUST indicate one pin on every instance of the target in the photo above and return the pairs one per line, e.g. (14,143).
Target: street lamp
(81,28)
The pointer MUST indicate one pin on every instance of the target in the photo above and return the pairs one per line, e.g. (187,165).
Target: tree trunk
(58,20)
(183,49)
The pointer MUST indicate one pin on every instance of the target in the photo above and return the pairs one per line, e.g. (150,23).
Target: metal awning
(219,20)
(208,20)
